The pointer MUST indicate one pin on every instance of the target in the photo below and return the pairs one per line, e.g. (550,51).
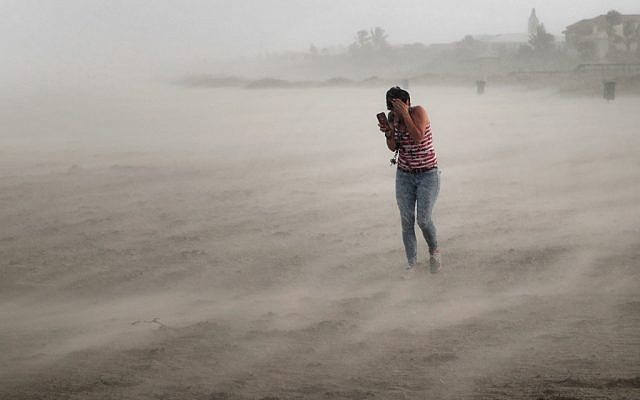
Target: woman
(417,175)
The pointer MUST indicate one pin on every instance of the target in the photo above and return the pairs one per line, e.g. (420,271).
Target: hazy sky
(90,35)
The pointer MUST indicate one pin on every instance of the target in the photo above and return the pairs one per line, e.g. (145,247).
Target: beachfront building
(498,44)
(596,38)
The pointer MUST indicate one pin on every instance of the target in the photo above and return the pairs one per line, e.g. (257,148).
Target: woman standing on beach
(417,174)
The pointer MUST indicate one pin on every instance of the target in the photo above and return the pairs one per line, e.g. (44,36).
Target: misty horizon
(48,40)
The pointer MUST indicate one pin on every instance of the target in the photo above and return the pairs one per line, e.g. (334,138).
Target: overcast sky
(64,34)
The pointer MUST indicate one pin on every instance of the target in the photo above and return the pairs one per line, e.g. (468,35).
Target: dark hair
(396,93)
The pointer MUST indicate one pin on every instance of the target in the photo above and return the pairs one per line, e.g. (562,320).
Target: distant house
(500,43)
(508,42)
(511,42)
(496,45)
(593,38)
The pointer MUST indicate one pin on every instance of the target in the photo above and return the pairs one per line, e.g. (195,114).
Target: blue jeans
(417,191)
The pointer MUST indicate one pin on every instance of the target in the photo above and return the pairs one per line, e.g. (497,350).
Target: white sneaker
(435,262)
(409,272)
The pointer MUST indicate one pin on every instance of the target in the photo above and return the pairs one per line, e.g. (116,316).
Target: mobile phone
(382,119)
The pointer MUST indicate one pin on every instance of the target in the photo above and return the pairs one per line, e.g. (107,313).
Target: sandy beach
(163,242)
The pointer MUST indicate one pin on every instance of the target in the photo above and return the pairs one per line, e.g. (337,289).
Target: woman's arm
(415,120)
(391,141)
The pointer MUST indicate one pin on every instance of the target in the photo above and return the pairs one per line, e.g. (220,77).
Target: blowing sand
(159,242)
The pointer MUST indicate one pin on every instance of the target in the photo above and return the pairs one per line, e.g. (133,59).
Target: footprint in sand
(184,238)
(281,234)
(192,253)
(440,358)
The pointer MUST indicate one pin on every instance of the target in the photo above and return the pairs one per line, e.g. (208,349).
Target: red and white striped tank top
(415,155)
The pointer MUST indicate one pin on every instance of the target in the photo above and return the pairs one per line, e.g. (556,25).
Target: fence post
(609,90)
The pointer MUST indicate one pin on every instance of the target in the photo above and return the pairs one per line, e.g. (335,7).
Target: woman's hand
(400,107)
(384,128)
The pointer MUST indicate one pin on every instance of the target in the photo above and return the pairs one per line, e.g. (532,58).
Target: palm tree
(379,38)
(370,44)
(541,41)
(361,47)
(613,19)
(363,40)
(631,35)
